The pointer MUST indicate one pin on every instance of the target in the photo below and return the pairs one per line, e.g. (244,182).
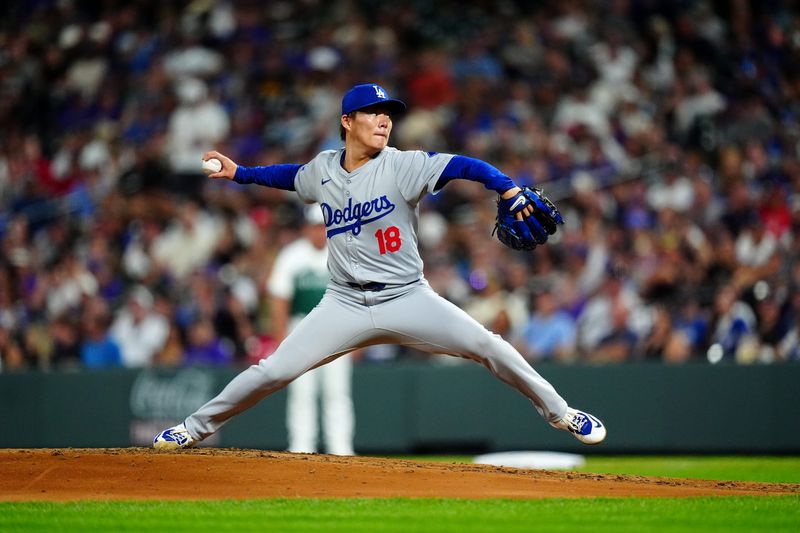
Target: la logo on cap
(367,94)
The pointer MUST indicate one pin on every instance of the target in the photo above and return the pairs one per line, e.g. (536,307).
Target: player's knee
(273,374)
(487,346)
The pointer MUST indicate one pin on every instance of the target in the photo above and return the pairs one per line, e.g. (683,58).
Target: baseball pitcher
(369,195)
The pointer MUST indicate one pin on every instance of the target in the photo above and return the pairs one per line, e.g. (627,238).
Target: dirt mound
(138,473)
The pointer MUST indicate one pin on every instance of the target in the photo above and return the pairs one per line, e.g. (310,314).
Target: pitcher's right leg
(330,330)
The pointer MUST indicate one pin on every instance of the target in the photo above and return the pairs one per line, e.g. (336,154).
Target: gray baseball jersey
(371,218)
(371,213)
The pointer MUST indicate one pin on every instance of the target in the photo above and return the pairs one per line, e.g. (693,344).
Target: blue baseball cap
(367,94)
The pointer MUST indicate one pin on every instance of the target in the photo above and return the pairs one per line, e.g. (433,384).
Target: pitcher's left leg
(426,321)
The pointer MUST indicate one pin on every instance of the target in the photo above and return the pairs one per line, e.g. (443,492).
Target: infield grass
(729,514)
(773,469)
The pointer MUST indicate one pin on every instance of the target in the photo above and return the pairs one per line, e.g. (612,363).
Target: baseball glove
(534,228)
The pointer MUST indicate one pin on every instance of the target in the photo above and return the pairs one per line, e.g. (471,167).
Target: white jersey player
(369,195)
(297,283)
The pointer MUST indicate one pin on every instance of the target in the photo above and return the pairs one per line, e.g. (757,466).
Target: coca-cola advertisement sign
(157,396)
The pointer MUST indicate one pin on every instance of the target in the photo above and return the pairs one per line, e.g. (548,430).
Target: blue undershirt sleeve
(275,176)
(469,168)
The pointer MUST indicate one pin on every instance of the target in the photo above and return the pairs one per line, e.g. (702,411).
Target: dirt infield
(137,473)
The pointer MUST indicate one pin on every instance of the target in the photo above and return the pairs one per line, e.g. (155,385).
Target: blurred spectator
(188,242)
(689,333)
(139,330)
(549,334)
(613,315)
(190,57)
(204,347)
(788,347)
(617,345)
(65,351)
(138,262)
(666,341)
(11,355)
(733,325)
(701,101)
(173,352)
(98,349)
(476,61)
(234,324)
(666,132)
(675,192)
(754,245)
(195,126)
(431,85)
(493,306)
(772,328)
(69,282)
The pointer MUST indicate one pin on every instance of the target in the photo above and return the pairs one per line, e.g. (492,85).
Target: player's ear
(345,125)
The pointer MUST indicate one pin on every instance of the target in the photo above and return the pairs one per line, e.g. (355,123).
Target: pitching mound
(135,473)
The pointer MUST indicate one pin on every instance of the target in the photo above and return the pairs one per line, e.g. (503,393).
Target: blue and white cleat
(585,427)
(173,438)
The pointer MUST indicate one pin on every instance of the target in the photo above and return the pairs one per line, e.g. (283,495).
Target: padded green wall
(405,408)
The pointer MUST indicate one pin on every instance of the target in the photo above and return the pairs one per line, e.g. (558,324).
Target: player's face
(370,127)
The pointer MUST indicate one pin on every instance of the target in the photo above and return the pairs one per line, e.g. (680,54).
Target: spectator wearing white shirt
(139,330)
(196,125)
(188,242)
(674,192)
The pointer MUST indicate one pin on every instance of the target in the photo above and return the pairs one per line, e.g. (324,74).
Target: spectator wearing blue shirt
(205,347)
(98,349)
(618,344)
(550,332)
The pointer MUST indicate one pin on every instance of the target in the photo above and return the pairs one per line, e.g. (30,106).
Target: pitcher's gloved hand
(539,219)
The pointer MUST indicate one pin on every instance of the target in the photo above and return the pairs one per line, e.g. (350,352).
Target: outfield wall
(410,408)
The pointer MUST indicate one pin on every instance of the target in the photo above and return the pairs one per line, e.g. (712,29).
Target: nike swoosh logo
(326,181)
(597,423)
(520,201)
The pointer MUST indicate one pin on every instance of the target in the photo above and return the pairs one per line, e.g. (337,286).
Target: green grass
(734,514)
(729,514)
(773,469)
(760,468)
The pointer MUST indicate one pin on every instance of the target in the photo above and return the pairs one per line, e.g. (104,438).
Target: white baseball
(212,166)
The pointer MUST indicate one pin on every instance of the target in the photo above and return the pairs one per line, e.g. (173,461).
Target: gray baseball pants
(346,319)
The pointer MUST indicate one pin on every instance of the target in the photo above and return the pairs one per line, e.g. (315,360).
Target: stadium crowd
(667,132)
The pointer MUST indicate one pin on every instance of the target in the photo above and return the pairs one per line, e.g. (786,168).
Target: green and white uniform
(300,276)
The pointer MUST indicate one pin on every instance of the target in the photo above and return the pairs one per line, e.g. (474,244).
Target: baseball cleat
(585,427)
(173,438)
